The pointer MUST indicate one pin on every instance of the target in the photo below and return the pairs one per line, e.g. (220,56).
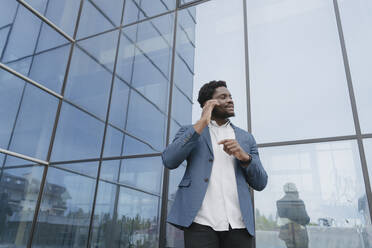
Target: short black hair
(207,90)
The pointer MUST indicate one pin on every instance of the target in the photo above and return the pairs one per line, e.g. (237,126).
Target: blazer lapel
(237,134)
(207,138)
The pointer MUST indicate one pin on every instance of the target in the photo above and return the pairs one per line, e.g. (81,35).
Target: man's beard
(217,113)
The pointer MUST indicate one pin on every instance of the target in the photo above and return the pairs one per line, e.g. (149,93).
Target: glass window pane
(19,190)
(143,173)
(90,76)
(23,37)
(29,115)
(357,22)
(147,47)
(314,190)
(7,12)
(93,21)
(296,71)
(110,170)
(119,104)
(49,38)
(124,218)
(3,37)
(139,213)
(106,231)
(136,10)
(48,68)
(79,135)
(63,14)
(146,121)
(65,210)
(119,144)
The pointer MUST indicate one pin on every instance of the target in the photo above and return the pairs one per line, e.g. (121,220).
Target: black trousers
(201,236)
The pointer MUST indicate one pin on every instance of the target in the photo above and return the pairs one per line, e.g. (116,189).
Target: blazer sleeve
(255,174)
(183,143)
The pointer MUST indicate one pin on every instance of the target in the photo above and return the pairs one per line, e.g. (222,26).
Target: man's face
(226,107)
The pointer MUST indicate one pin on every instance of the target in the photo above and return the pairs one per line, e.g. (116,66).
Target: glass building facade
(91,92)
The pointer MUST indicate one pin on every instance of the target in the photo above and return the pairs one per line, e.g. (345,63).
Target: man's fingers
(225,141)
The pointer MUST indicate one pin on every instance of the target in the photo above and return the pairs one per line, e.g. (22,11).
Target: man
(213,203)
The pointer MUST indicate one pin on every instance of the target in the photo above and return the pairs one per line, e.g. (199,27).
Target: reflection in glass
(136,10)
(65,212)
(95,19)
(146,121)
(356,23)
(292,218)
(297,74)
(19,189)
(142,173)
(28,114)
(90,75)
(147,47)
(124,218)
(48,68)
(321,180)
(78,136)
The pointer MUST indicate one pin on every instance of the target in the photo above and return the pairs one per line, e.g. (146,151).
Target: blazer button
(211,160)
(206,180)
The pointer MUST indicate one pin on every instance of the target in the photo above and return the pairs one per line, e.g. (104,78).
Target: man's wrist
(200,125)
(246,161)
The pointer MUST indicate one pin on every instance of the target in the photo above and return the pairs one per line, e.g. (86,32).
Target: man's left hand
(232,147)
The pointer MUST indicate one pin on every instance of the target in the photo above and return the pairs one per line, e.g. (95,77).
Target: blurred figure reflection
(293,218)
(5,211)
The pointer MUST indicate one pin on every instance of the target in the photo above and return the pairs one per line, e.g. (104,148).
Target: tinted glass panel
(78,136)
(28,114)
(146,121)
(313,196)
(125,218)
(48,68)
(136,10)
(64,214)
(296,73)
(93,20)
(143,173)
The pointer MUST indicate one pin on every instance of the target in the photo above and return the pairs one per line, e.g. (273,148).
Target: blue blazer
(198,152)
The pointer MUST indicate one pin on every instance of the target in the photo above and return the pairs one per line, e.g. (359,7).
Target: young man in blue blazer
(213,203)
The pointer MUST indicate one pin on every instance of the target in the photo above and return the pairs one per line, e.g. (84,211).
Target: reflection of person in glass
(293,218)
(213,202)
(5,211)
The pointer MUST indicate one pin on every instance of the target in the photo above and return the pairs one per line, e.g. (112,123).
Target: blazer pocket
(185,182)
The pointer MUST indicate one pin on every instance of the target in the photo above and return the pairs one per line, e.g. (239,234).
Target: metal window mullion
(28,80)
(90,231)
(45,20)
(165,184)
(248,98)
(44,176)
(353,107)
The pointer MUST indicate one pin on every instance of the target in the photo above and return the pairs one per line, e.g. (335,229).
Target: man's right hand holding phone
(206,115)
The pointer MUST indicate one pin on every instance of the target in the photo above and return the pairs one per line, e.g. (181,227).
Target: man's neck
(219,121)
